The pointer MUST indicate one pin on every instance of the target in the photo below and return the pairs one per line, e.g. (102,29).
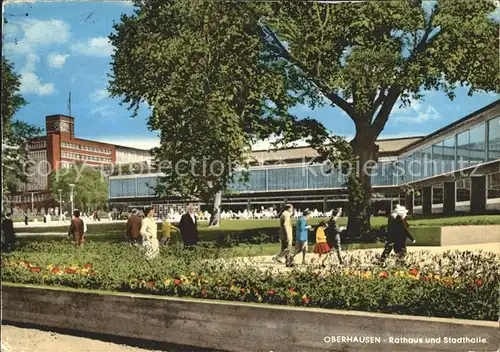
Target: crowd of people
(141,230)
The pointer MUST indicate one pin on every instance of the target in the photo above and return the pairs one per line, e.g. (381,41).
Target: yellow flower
(49,267)
(367,274)
(166,282)
(346,271)
(437,277)
(192,273)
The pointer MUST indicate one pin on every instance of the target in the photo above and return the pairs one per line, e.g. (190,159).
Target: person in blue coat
(302,236)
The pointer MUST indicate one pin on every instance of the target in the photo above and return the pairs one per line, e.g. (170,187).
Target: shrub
(425,285)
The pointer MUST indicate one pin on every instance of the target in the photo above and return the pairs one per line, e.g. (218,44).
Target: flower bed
(453,284)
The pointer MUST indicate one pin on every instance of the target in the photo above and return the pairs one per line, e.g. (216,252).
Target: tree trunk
(360,186)
(215,218)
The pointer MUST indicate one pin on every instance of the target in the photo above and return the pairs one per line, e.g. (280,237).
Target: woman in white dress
(149,234)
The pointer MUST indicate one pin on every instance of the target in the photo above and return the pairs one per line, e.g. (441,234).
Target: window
(494,139)
(438,193)
(449,154)
(437,159)
(493,184)
(477,145)
(462,150)
(427,162)
(463,190)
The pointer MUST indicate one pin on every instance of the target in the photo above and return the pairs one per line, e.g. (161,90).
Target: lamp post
(72,186)
(32,202)
(60,203)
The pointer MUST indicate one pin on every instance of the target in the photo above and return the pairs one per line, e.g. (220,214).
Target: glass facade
(470,147)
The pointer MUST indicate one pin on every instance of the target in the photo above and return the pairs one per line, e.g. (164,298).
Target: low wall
(219,325)
(470,234)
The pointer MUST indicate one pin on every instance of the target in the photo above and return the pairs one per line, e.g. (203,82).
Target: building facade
(60,148)
(453,169)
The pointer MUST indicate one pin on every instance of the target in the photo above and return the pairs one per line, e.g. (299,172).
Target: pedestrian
(134,223)
(333,234)
(149,234)
(302,235)
(9,235)
(286,236)
(77,229)
(44,219)
(26,219)
(397,233)
(321,246)
(167,229)
(189,228)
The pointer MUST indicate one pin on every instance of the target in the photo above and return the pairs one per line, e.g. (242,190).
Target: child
(167,232)
(321,246)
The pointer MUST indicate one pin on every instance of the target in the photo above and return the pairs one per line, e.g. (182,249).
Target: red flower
(88,266)
(306,299)
(242,290)
(55,270)
(204,292)
(177,282)
(92,273)
(291,289)
(26,264)
(479,282)
(271,292)
(35,269)
(413,272)
(383,274)
(425,278)
(69,271)
(151,283)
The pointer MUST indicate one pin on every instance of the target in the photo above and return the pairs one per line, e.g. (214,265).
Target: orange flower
(55,270)
(88,266)
(151,284)
(26,264)
(69,271)
(383,274)
(92,273)
(35,269)
(413,272)
(271,292)
(306,299)
(448,282)
(242,290)
(291,289)
(177,282)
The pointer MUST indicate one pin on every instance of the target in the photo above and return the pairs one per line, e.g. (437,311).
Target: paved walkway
(16,339)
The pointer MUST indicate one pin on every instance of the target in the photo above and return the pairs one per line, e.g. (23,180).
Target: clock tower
(60,124)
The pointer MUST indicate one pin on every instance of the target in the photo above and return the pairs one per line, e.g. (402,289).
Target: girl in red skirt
(321,246)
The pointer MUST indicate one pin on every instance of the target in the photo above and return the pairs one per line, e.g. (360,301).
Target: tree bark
(360,199)
(215,218)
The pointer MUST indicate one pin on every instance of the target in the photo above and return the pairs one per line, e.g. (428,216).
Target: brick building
(60,148)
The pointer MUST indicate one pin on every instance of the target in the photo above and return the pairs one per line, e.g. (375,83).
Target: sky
(58,47)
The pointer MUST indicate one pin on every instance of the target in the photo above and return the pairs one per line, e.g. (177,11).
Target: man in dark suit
(134,228)
(8,232)
(189,228)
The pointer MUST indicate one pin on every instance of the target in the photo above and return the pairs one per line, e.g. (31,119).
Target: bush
(426,284)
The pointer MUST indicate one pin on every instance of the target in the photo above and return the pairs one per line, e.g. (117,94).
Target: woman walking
(149,234)
(321,246)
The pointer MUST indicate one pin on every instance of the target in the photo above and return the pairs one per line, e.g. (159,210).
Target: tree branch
(385,111)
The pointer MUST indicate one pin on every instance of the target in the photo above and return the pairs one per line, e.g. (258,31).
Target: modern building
(59,148)
(453,169)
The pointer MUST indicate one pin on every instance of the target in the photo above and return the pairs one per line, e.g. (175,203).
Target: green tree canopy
(15,133)
(91,187)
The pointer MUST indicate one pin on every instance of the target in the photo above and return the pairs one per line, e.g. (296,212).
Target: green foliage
(91,187)
(424,285)
(15,133)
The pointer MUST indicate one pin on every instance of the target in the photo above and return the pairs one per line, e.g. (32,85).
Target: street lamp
(72,186)
(60,204)
(32,202)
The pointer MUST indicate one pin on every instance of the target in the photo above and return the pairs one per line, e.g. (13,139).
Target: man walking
(397,233)
(286,236)
(333,234)
(189,228)
(77,229)
(134,228)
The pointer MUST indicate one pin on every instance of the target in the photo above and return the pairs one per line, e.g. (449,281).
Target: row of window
(85,147)
(85,157)
(37,145)
(132,187)
(27,198)
(474,146)
(38,155)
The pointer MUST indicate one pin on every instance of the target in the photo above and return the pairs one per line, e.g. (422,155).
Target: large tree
(15,133)
(91,186)
(363,57)
(203,68)
(210,69)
